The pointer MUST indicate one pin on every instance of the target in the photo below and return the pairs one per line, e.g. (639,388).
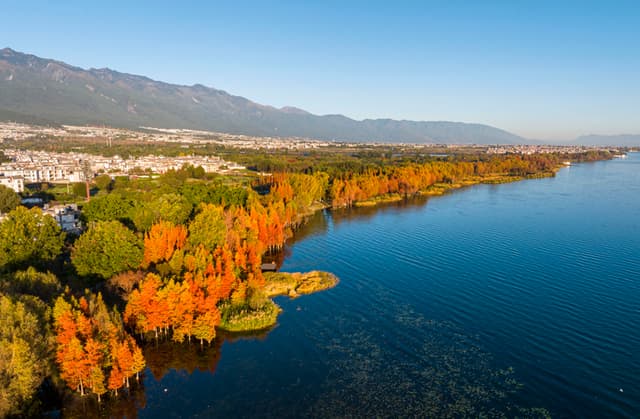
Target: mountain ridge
(51,90)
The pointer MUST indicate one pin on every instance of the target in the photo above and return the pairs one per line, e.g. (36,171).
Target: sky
(542,69)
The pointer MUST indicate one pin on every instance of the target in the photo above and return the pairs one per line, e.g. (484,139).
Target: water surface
(496,299)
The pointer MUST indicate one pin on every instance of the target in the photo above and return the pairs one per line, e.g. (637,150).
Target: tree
(103,182)
(204,327)
(124,358)
(111,207)
(162,240)
(123,283)
(107,248)
(116,379)
(208,228)
(29,237)
(24,351)
(9,200)
(96,379)
(43,285)
(80,189)
(89,341)
(173,208)
(138,361)
(168,207)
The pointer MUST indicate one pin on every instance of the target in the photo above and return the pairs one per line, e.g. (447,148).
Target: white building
(14,182)
(67,217)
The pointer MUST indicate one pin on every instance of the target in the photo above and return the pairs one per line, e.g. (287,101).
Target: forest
(178,258)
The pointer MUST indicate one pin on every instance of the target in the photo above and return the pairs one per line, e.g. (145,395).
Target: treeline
(176,257)
(412,178)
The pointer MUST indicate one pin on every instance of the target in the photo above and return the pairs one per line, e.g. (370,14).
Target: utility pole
(87,173)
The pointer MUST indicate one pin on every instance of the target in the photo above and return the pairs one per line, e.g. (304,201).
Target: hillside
(44,90)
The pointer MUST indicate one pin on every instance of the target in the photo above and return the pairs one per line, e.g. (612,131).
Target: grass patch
(499,179)
(295,284)
(242,318)
(379,200)
(541,175)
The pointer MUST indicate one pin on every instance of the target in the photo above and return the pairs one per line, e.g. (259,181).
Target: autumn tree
(123,283)
(92,345)
(204,326)
(139,362)
(162,240)
(116,379)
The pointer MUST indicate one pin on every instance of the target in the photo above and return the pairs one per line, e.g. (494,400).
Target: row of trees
(94,352)
(409,179)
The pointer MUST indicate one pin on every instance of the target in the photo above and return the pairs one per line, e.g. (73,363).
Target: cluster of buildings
(28,166)
(536,149)
(38,167)
(17,132)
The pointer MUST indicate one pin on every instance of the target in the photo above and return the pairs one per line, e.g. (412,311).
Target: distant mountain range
(37,90)
(629,140)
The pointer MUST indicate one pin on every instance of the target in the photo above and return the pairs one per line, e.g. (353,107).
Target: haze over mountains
(621,140)
(39,90)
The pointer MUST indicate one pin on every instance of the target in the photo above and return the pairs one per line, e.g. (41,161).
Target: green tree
(103,182)
(43,285)
(196,193)
(168,207)
(111,207)
(208,228)
(9,200)
(227,196)
(107,248)
(29,237)
(25,357)
(174,179)
(80,189)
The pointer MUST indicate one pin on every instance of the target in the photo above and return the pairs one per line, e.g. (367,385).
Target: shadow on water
(162,357)
(165,355)
(188,357)
(126,405)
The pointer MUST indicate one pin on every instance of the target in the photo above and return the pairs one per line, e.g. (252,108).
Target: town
(39,166)
(11,131)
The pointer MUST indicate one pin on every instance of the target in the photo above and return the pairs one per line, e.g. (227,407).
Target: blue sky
(549,70)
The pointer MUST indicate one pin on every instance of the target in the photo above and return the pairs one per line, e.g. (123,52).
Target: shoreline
(294,284)
(439,189)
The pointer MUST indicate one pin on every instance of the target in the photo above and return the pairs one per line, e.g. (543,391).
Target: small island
(260,312)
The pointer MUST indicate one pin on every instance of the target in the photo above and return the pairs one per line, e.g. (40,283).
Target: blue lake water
(511,299)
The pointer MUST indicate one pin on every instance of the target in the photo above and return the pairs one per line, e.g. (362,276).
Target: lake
(513,299)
